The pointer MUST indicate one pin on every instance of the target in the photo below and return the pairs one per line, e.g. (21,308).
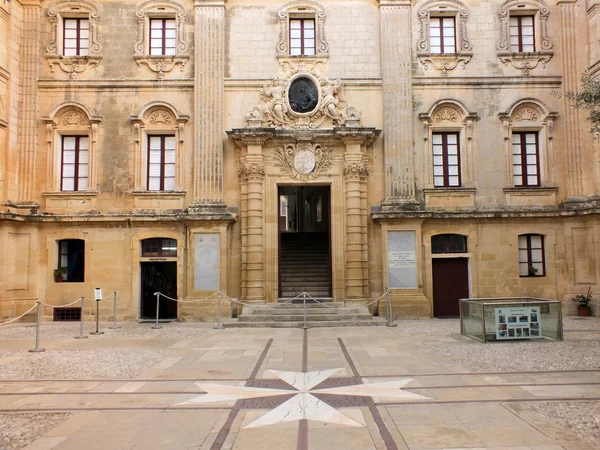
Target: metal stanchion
(81,335)
(219,324)
(304,301)
(37,348)
(114,326)
(157,326)
(97,319)
(388,306)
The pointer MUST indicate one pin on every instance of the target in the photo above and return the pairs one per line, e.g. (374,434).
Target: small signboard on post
(98,294)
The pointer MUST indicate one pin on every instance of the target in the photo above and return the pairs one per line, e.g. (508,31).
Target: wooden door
(450,283)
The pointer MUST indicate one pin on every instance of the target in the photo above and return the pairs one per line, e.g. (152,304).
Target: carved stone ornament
(303,161)
(73,119)
(304,8)
(446,115)
(356,171)
(526,114)
(73,65)
(160,117)
(251,172)
(525,62)
(284,106)
(161,65)
(444,62)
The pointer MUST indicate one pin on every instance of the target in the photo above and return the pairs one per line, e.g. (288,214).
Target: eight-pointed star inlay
(304,405)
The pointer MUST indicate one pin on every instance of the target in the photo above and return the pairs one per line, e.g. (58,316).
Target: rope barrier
(313,298)
(17,318)
(61,306)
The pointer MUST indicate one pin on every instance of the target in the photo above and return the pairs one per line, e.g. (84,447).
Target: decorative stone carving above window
(321,105)
(302,9)
(55,54)
(525,61)
(161,64)
(444,62)
(303,161)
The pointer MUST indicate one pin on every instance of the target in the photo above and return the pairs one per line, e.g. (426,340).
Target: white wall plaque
(207,262)
(402,262)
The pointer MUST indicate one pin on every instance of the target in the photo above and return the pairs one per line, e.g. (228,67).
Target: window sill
(159,193)
(73,65)
(158,200)
(531,196)
(532,276)
(526,61)
(161,65)
(444,62)
(70,202)
(450,197)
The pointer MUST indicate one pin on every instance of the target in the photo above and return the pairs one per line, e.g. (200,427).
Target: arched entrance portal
(304,241)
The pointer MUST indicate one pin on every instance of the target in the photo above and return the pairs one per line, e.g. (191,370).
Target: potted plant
(60,274)
(583,303)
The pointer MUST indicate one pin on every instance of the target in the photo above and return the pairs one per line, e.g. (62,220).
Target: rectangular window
(74,163)
(76,37)
(71,261)
(446,160)
(442,35)
(302,37)
(525,159)
(161,163)
(531,255)
(522,37)
(163,37)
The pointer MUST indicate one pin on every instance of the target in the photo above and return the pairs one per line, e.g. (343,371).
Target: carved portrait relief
(303,95)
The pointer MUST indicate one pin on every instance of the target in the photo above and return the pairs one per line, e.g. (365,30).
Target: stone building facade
(189,146)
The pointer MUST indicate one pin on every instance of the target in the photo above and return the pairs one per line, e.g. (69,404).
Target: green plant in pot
(583,303)
(60,274)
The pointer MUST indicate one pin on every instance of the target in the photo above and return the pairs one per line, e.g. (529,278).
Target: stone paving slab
(462,408)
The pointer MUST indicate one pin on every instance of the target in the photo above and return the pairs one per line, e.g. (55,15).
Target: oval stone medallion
(303,95)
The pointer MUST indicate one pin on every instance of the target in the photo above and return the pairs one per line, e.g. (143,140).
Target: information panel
(207,262)
(518,323)
(402,261)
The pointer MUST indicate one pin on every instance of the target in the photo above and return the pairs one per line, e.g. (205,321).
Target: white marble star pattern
(304,405)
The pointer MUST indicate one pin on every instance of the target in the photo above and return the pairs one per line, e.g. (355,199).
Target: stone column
(209,63)
(577,138)
(355,173)
(396,72)
(28,100)
(364,219)
(252,170)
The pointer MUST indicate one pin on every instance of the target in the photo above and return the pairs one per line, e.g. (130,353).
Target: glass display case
(511,318)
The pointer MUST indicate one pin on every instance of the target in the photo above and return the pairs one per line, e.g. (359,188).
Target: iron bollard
(219,324)
(304,301)
(388,306)
(114,326)
(37,348)
(97,318)
(81,335)
(157,326)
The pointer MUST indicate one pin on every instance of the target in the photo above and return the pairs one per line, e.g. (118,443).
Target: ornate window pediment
(461,49)
(62,12)
(524,61)
(172,12)
(292,29)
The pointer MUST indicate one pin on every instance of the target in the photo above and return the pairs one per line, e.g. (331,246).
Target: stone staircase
(291,315)
(305,264)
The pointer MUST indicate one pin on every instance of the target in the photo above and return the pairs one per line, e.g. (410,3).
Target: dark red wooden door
(450,283)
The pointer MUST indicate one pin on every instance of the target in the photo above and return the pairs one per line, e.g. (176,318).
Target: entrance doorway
(450,283)
(158,277)
(304,241)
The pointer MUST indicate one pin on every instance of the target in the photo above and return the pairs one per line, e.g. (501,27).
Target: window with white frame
(76,36)
(532,261)
(525,159)
(162,151)
(522,33)
(74,163)
(446,160)
(163,37)
(442,35)
(302,37)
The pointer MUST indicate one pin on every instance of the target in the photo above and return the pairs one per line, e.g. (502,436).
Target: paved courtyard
(188,386)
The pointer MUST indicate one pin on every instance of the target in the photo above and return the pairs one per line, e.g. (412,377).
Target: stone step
(300,317)
(284,310)
(308,284)
(374,321)
(291,294)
